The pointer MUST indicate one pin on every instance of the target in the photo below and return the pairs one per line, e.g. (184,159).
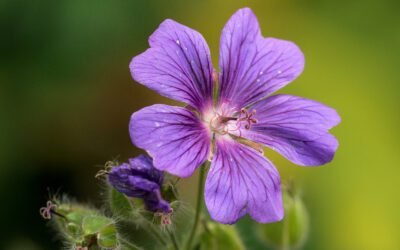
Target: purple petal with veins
(252,66)
(242,181)
(175,137)
(177,65)
(295,127)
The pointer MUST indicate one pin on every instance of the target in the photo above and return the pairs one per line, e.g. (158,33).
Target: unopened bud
(82,227)
(140,179)
(292,231)
(218,236)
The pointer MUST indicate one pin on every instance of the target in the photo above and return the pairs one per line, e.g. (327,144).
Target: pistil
(248,117)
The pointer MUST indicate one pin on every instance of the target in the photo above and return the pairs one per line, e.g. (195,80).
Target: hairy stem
(199,203)
(285,235)
(154,231)
(129,244)
(173,238)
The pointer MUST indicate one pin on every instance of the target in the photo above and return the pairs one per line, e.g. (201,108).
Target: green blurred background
(66,96)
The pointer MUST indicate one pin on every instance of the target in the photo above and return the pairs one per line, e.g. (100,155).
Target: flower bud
(220,237)
(140,179)
(292,231)
(80,226)
(72,229)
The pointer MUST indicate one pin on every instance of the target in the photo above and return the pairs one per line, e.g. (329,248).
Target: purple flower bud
(138,178)
(155,203)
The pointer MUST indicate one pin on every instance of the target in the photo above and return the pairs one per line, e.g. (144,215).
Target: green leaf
(107,237)
(73,229)
(170,192)
(93,224)
(119,204)
(248,234)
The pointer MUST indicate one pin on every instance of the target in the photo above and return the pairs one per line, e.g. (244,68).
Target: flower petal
(120,178)
(241,181)
(154,202)
(177,65)
(175,138)
(141,162)
(252,66)
(295,127)
(143,184)
(142,165)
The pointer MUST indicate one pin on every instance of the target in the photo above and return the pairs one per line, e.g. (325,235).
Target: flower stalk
(173,238)
(199,202)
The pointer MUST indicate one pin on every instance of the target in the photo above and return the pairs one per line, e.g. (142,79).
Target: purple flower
(241,180)
(140,179)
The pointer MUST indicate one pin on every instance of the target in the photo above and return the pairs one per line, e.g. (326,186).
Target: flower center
(223,124)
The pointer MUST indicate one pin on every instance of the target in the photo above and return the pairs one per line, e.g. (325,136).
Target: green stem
(173,239)
(154,231)
(130,244)
(149,227)
(200,192)
(285,235)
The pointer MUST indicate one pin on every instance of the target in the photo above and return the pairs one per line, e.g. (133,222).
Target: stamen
(215,76)
(249,143)
(224,120)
